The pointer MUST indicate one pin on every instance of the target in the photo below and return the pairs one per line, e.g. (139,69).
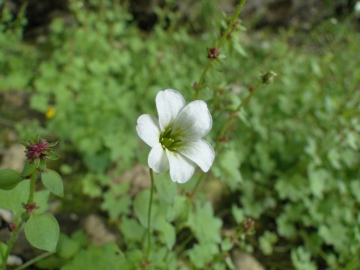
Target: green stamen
(170,141)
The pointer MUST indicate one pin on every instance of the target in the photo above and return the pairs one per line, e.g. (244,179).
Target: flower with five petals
(176,137)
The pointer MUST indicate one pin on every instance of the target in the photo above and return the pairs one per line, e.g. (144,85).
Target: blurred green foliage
(292,156)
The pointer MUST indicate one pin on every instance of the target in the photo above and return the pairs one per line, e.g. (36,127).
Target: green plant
(18,194)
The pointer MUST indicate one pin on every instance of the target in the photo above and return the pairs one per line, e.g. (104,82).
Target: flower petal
(194,121)
(148,129)
(168,103)
(201,152)
(158,160)
(181,168)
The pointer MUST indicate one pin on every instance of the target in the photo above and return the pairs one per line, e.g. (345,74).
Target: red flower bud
(213,53)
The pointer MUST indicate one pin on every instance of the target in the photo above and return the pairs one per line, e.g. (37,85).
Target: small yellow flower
(50,112)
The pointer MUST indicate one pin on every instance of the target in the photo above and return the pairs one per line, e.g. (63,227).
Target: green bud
(268,77)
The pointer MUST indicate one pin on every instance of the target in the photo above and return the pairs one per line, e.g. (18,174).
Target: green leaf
(167,189)
(319,179)
(36,163)
(52,156)
(169,234)
(131,229)
(42,231)
(267,240)
(41,198)
(66,247)
(9,179)
(141,207)
(42,165)
(14,199)
(229,262)
(52,144)
(301,259)
(201,254)
(53,182)
(180,209)
(105,258)
(116,205)
(230,163)
(226,244)
(28,169)
(204,224)
(3,248)
(238,214)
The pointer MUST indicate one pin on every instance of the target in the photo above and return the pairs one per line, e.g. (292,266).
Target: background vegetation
(290,161)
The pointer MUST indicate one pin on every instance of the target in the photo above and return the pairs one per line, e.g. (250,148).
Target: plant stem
(231,23)
(32,187)
(34,260)
(24,218)
(149,212)
(219,44)
(196,185)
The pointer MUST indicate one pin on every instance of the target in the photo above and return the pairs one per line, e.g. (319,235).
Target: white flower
(176,138)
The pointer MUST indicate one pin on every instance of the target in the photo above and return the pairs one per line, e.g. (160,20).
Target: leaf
(53,182)
(41,198)
(67,247)
(105,258)
(141,207)
(230,163)
(116,205)
(318,180)
(301,259)
(267,240)
(3,248)
(28,169)
(201,254)
(131,229)
(52,156)
(204,224)
(226,244)
(180,209)
(167,189)
(14,199)
(42,231)
(238,214)
(9,179)
(169,234)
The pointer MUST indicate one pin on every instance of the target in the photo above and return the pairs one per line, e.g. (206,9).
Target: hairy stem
(218,46)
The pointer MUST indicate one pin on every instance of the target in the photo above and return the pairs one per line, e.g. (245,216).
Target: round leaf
(9,179)
(42,231)
(53,182)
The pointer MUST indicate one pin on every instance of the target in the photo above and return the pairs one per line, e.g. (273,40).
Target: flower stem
(32,187)
(196,185)
(219,44)
(231,23)
(149,212)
